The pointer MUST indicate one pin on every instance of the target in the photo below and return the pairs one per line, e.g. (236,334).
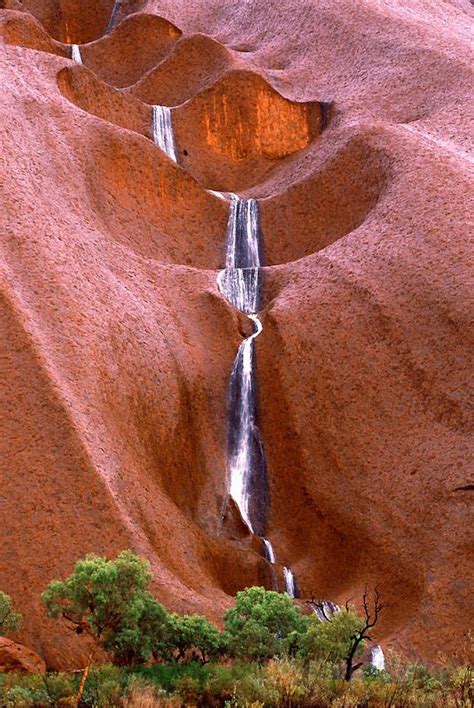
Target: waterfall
(76,53)
(162,130)
(113,15)
(269,552)
(240,284)
(324,609)
(246,456)
(290,583)
(240,281)
(377,658)
(243,234)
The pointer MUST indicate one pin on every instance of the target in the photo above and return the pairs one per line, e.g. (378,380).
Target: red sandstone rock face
(116,346)
(16,657)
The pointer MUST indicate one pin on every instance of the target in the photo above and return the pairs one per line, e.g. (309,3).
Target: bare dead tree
(371,618)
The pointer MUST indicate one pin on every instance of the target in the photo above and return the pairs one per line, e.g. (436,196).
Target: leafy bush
(10,620)
(109,600)
(58,686)
(169,676)
(223,685)
(331,641)
(20,689)
(19,696)
(290,683)
(105,686)
(263,624)
(193,635)
(461,686)
(135,641)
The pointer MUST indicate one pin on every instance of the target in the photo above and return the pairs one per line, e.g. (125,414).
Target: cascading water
(113,15)
(324,609)
(246,456)
(76,53)
(240,283)
(241,287)
(269,552)
(290,583)
(377,658)
(162,130)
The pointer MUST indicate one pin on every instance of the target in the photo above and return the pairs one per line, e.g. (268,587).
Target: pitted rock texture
(116,346)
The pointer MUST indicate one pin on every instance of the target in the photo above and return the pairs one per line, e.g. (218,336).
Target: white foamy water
(162,129)
(269,552)
(241,287)
(324,609)
(290,585)
(377,658)
(76,53)
(243,234)
(242,458)
(240,281)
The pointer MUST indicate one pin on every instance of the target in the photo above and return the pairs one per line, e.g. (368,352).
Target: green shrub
(168,676)
(419,677)
(331,641)
(105,686)
(224,685)
(194,636)
(58,686)
(109,600)
(18,697)
(20,689)
(135,641)
(263,624)
(10,621)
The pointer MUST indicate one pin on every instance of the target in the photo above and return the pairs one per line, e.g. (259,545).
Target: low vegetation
(10,621)
(268,654)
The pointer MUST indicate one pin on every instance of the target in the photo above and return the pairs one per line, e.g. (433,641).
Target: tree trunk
(85,674)
(349,659)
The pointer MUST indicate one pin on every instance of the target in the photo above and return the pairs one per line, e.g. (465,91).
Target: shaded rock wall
(116,346)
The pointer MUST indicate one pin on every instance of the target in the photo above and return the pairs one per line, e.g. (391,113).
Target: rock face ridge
(116,346)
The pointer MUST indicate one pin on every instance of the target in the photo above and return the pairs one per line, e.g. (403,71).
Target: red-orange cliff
(116,346)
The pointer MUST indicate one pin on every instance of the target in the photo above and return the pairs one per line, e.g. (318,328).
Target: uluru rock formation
(349,121)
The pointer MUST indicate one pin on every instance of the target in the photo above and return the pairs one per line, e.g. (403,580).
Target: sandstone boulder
(17,657)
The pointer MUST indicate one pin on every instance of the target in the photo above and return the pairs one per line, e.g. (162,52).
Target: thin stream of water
(76,53)
(162,131)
